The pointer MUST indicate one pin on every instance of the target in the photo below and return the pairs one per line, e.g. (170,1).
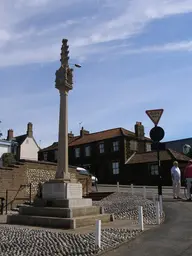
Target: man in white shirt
(176,180)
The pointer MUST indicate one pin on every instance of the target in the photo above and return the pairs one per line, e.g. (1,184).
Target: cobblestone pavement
(34,241)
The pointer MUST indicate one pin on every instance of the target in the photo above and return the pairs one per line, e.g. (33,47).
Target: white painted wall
(4,149)
(29,150)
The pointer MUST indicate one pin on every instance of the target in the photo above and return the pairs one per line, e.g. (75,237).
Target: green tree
(8,159)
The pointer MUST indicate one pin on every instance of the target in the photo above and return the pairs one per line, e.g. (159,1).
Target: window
(116,146)
(133,145)
(87,150)
(56,154)
(154,169)
(45,154)
(77,152)
(148,147)
(115,167)
(101,148)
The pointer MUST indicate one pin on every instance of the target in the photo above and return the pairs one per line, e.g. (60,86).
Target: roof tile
(152,157)
(97,136)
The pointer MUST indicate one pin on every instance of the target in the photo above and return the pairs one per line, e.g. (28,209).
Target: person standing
(176,180)
(188,178)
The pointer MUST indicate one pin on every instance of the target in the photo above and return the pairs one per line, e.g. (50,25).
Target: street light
(76,65)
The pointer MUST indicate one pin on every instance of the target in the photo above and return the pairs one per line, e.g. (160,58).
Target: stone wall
(32,172)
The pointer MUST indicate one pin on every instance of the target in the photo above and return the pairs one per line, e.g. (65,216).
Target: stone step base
(61,223)
(65,203)
(60,212)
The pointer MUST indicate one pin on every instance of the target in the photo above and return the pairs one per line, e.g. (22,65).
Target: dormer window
(148,147)
(115,146)
(133,145)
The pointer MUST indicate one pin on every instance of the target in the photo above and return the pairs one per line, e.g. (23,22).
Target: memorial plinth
(60,190)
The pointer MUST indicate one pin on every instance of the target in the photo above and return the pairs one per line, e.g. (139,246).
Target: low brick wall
(33,172)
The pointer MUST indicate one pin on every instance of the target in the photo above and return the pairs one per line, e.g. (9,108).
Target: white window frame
(45,156)
(77,152)
(101,147)
(88,150)
(115,168)
(133,145)
(148,147)
(115,146)
(154,169)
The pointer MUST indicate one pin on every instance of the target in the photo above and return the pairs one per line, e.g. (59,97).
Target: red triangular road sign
(155,115)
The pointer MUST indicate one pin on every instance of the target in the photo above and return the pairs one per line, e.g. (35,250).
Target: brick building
(142,168)
(104,153)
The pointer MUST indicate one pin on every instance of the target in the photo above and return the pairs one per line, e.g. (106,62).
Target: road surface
(173,238)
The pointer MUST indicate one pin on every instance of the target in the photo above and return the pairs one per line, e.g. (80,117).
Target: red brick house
(104,153)
(142,169)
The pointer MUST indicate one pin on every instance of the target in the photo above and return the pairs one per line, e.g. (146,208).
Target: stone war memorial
(62,204)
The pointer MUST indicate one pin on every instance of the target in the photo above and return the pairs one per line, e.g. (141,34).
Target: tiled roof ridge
(123,129)
(172,151)
(112,129)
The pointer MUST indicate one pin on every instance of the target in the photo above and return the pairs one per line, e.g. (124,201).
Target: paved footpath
(173,238)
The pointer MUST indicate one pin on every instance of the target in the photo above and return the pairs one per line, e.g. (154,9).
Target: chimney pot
(83,132)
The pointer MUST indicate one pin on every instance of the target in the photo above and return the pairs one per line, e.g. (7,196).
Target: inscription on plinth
(74,190)
(61,190)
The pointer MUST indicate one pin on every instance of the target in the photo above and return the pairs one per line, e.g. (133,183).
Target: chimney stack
(139,130)
(30,130)
(70,135)
(83,132)
(10,134)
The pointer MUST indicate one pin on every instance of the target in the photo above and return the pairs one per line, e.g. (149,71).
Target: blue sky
(135,55)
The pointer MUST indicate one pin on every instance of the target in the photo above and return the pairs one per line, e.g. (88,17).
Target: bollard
(144,192)
(98,233)
(132,189)
(117,186)
(161,204)
(141,223)
(158,213)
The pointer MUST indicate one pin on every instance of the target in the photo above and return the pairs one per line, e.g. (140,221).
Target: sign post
(157,134)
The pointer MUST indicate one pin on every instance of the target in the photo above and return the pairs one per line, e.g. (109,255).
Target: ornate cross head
(64,53)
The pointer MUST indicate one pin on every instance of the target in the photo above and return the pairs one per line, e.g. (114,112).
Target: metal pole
(6,201)
(30,193)
(159,171)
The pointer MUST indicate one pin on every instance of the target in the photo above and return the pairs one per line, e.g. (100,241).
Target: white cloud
(114,21)
(169,47)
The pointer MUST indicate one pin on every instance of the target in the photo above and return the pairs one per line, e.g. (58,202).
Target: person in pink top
(188,178)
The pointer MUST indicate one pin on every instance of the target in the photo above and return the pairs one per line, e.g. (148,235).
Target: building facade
(142,168)
(103,153)
(25,145)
